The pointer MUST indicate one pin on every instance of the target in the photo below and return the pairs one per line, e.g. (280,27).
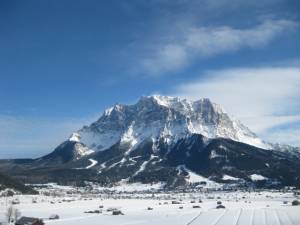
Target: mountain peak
(170,101)
(182,104)
(165,100)
(75,137)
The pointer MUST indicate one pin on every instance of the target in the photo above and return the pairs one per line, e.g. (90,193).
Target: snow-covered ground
(242,208)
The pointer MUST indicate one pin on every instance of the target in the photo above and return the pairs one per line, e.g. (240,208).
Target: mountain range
(164,139)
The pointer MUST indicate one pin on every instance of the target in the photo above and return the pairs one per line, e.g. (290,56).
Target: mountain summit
(161,117)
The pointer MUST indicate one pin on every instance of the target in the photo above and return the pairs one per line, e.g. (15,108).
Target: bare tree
(16,214)
(9,213)
(12,214)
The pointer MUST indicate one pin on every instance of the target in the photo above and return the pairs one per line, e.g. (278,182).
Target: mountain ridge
(163,139)
(161,116)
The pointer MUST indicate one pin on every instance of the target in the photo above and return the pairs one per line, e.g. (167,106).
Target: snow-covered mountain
(163,140)
(161,117)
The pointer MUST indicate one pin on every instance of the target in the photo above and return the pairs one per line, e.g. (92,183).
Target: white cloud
(262,98)
(213,40)
(286,135)
(171,56)
(262,124)
(191,42)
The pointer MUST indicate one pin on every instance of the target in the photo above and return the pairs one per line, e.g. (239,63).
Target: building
(29,221)
(54,217)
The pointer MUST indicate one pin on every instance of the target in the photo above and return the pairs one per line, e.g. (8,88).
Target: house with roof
(29,221)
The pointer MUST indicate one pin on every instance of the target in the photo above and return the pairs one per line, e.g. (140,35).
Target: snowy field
(242,208)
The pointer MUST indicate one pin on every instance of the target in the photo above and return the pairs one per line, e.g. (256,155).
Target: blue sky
(62,62)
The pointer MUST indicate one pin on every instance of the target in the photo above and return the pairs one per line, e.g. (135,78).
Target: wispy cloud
(262,98)
(177,51)
(289,134)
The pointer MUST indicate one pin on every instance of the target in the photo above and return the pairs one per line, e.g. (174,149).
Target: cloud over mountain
(263,98)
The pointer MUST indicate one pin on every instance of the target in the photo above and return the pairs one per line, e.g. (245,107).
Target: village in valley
(149,204)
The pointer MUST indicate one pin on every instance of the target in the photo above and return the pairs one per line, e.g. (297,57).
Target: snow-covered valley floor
(242,208)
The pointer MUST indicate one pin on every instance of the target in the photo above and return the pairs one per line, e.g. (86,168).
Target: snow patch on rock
(93,163)
(75,137)
(82,150)
(257,177)
(229,178)
(193,177)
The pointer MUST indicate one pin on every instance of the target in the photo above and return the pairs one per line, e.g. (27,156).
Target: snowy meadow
(64,205)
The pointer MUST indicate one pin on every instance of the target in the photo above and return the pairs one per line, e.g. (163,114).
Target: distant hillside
(8,182)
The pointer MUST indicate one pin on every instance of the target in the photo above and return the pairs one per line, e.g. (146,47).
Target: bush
(117,212)
(295,202)
(175,202)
